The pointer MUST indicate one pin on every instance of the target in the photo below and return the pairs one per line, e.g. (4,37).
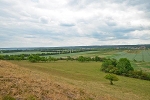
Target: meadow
(87,76)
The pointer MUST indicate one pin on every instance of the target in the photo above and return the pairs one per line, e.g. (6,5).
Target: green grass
(65,68)
(8,98)
(100,53)
(88,76)
(138,55)
(145,66)
(87,54)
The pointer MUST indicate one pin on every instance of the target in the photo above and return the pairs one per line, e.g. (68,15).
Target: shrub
(111,78)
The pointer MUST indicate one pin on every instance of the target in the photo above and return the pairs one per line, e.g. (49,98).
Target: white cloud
(44,19)
(70,22)
(140,34)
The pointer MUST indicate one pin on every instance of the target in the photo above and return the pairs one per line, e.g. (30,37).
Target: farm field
(87,76)
(144,66)
(133,55)
(101,53)
(138,55)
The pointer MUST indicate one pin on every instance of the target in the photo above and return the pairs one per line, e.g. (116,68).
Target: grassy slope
(89,77)
(28,84)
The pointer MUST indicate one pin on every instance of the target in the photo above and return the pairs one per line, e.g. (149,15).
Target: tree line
(31,58)
(39,58)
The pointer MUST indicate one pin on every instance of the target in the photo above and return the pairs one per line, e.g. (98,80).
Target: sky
(53,23)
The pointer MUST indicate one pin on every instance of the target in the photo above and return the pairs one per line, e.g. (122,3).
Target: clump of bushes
(123,67)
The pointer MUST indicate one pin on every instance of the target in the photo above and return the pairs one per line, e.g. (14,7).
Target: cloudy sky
(48,23)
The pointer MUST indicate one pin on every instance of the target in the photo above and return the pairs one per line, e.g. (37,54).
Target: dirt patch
(22,83)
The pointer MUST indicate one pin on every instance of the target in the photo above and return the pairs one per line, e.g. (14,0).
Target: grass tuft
(7,97)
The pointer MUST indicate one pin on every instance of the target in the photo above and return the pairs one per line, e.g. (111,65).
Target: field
(26,84)
(87,76)
(138,55)
(144,66)
(133,55)
(71,80)
(102,53)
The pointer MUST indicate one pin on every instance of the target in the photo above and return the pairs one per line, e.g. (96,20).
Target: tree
(97,58)
(69,58)
(124,66)
(108,65)
(44,59)
(111,78)
(34,58)
(81,59)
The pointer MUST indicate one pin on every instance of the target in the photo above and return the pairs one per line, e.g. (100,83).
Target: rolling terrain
(72,80)
(85,77)
(26,84)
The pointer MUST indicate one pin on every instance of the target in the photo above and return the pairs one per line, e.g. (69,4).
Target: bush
(111,78)
(123,67)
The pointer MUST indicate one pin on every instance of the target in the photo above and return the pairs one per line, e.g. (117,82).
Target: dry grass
(25,84)
(67,80)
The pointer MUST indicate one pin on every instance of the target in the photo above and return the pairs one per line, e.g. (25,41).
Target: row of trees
(37,58)
(123,67)
(31,58)
(86,59)
(83,59)
(13,57)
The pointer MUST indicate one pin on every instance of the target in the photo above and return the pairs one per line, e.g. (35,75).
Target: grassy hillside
(26,84)
(88,77)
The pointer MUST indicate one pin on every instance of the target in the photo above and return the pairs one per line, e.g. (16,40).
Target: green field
(144,66)
(138,55)
(88,76)
(101,53)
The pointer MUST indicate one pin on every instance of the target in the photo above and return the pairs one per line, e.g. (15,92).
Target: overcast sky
(48,23)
